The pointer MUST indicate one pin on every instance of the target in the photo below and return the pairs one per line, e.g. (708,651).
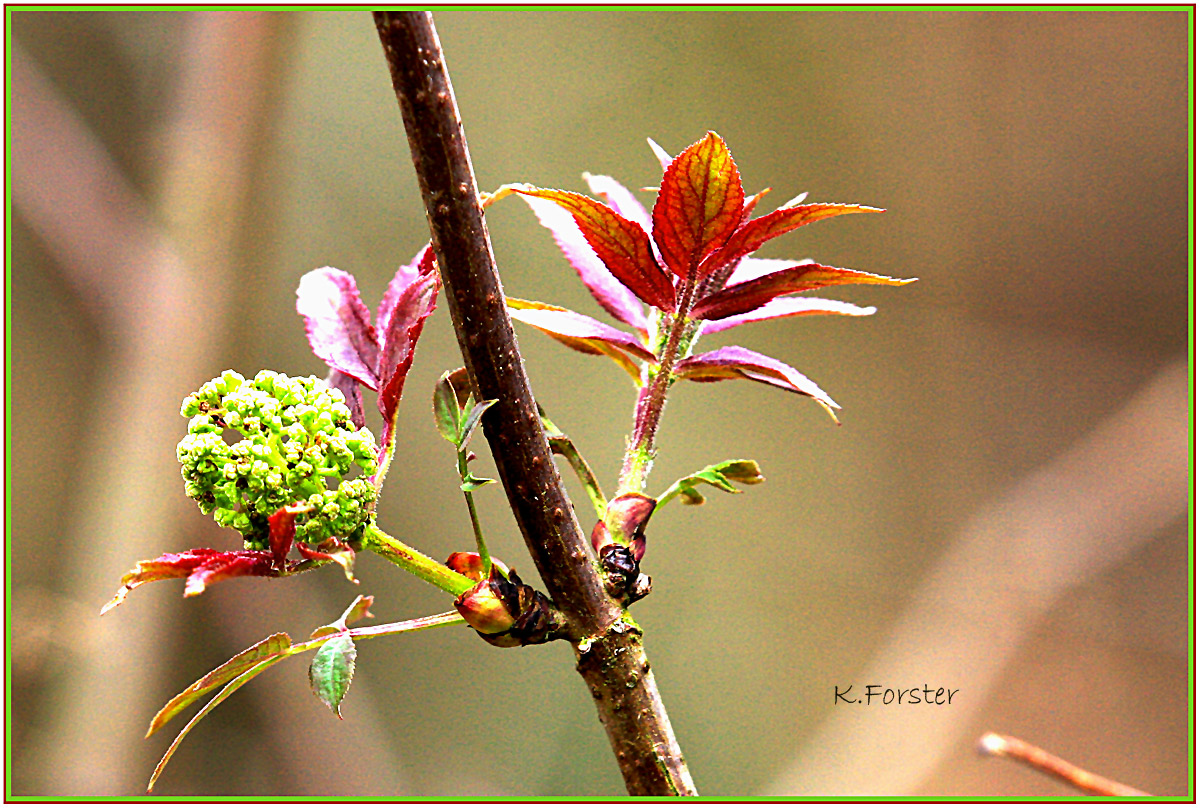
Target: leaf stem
(560,444)
(415,562)
(480,543)
(652,399)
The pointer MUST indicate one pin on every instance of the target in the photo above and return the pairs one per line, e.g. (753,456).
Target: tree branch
(1037,758)
(608,647)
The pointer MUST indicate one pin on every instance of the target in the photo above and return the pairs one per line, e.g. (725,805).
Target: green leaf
(331,670)
(721,476)
(471,482)
(471,421)
(445,408)
(273,646)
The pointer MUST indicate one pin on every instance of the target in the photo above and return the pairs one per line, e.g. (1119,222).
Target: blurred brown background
(1004,510)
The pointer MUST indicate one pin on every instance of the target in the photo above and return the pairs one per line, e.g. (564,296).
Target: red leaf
(577,330)
(350,389)
(229,565)
(338,325)
(753,234)
(747,296)
(622,245)
(282,533)
(615,297)
(735,362)
(786,307)
(200,566)
(699,204)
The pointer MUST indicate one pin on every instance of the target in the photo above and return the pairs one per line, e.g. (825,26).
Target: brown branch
(609,650)
(1037,758)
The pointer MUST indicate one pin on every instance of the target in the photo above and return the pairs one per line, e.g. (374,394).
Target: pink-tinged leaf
(406,275)
(753,234)
(272,646)
(743,297)
(614,296)
(564,324)
(353,393)
(751,203)
(699,205)
(200,566)
(282,533)
(735,362)
(619,198)
(620,244)
(338,325)
(787,307)
(409,311)
(750,268)
(664,157)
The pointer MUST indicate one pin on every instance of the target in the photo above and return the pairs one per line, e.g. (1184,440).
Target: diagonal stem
(608,648)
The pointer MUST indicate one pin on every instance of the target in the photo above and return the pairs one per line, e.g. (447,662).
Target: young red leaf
(753,234)
(750,268)
(338,325)
(747,296)
(282,533)
(699,204)
(622,245)
(333,550)
(786,307)
(404,323)
(614,296)
(618,197)
(272,646)
(200,566)
(566,325)
(331,670)
(735,362)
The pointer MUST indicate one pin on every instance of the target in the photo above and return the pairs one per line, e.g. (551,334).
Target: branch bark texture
(608,647)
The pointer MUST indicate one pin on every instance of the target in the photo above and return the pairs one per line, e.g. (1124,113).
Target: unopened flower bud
(492,606)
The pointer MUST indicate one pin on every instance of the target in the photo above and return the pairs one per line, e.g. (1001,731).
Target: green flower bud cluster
(298,441)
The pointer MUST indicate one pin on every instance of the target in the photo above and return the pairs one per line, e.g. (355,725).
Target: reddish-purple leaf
(622,245)
(699,204)
(575,330)
(229,565)
(408,313)
(735,362)
(338,325)
(787,307)
(750,295)
(614,296)
(753,234)
(333,550)
(406,275)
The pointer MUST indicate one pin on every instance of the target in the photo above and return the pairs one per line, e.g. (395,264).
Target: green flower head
(298,444)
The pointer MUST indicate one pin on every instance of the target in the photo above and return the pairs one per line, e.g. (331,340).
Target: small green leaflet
(331,670)
(721,476)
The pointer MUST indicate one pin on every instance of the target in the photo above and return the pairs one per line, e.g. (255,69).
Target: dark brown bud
(508,613)
(625,523)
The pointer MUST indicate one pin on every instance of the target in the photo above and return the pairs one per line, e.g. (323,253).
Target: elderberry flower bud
(298,444)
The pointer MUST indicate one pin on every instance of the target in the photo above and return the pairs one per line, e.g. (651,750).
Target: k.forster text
(878,694)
